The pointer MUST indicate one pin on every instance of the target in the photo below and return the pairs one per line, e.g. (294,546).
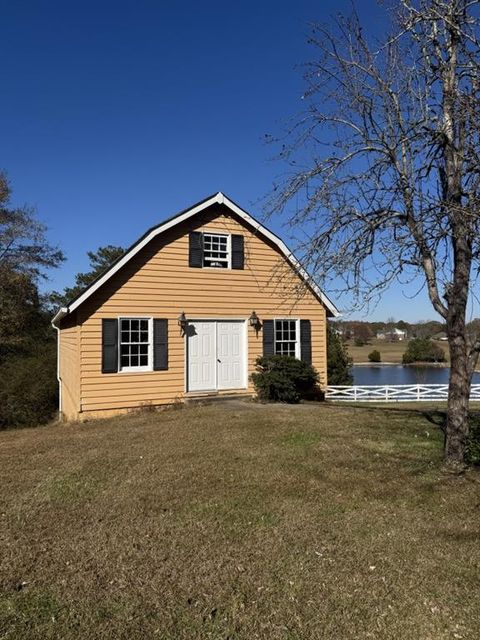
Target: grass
(241,522)
(390,351)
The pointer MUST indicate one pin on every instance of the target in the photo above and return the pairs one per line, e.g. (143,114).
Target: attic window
(216,250)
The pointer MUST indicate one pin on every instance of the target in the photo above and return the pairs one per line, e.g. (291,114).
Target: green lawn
(390,351)
(242,521)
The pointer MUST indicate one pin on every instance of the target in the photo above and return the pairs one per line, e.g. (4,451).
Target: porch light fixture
(182,321)
(254,320)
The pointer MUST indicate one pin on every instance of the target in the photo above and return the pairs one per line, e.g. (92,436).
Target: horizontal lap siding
(158,282)
(69,368)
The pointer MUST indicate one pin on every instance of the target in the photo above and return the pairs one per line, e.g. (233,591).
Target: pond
(398,374)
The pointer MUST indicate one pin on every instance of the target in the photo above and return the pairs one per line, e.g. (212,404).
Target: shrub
(284,379)
(28,389)
(423,350)
(472,453)
(375,356)
(339,362)
(359,342)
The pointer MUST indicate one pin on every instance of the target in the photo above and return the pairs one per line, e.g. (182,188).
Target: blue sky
(115,115)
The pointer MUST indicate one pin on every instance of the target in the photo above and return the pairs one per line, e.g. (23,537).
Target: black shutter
(160,344)
(109,346)
(306,341)
(195,254)
(237,252)
(268,338)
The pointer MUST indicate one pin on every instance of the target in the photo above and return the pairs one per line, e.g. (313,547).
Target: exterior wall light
(254,320)
(182,321)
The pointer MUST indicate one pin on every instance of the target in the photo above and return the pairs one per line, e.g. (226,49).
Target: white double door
(216,355)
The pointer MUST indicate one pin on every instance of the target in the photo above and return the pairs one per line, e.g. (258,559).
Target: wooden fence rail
(393,392)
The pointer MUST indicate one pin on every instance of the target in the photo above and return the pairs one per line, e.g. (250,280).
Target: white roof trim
(219,198)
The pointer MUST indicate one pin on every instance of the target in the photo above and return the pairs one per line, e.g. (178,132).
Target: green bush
(28,389)
(339,363)
(472,454)
(375,356)
(284,379)
(423,350)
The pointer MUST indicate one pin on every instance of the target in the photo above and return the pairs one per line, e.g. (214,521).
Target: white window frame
(138,369)
(228,236)
(297,335)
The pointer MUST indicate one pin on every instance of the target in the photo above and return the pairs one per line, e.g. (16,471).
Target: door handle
(218,360)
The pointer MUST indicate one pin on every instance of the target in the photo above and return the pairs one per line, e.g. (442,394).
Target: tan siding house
(185,312)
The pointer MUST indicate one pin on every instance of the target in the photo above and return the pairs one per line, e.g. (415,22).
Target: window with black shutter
(268,338)
(160,344)
(216,250)
(195,256)
(109,345)
(288,337)
(306,341)
(238,252)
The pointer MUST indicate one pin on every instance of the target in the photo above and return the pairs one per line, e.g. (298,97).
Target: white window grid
(286,338)
(216,250)
(135,344)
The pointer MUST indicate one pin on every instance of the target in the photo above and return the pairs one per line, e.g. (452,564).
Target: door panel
(215,355)
(201,356)
(230,355)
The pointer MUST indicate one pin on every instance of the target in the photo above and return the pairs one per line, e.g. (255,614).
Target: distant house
(186,312)
(393,335)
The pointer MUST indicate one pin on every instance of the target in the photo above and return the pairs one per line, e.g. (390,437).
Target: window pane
(134,342)
(285,337)
(215,252)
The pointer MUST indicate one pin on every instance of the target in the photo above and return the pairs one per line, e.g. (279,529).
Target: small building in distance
(392,335)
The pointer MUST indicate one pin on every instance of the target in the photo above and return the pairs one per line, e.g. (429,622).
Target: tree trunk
(456,431)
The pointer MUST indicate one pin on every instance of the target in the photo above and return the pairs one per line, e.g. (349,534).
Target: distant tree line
(362,332)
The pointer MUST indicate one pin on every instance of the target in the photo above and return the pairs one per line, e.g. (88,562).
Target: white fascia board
(61,313)
(219,198)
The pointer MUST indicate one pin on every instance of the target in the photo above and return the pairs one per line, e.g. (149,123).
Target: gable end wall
(158,282)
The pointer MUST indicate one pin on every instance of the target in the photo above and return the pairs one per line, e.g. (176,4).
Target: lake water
(397,374)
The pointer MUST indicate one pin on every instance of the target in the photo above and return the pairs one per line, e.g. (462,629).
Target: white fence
(394,393)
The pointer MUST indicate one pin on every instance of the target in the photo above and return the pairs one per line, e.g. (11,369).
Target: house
(185,312)
(393,335)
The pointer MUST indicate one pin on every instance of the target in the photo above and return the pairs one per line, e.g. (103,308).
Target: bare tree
(384,168)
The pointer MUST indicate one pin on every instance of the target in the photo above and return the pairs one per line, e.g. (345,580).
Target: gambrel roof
(218,198)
